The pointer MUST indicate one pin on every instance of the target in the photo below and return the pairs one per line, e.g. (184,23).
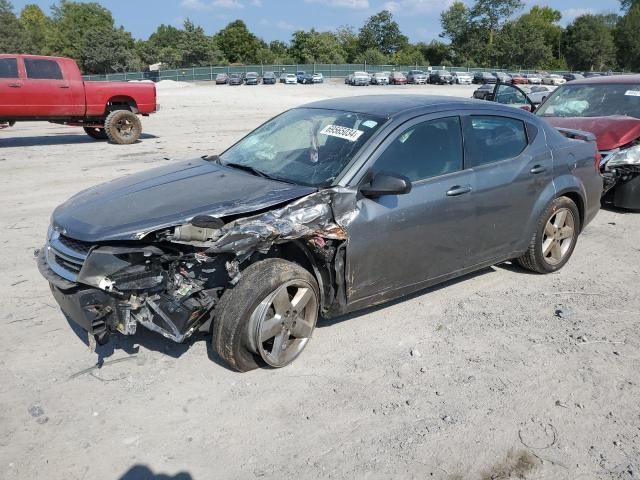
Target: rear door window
(493,139)
(42,69)
(8,68)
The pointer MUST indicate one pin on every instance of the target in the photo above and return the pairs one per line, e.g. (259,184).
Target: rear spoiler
(577,134)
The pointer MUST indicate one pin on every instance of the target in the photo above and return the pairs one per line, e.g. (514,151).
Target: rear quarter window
(42,69)
(493,139)
(8,68)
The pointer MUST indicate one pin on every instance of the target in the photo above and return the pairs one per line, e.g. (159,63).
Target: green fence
(193,74)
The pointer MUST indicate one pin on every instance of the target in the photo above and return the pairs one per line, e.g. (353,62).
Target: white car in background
(539,93)
(533,78)
(291,79)
(318,78)
(462,78)
(553,79)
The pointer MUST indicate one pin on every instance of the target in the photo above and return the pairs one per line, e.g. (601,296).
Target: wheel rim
(125,127)
(284,322)
(559,235)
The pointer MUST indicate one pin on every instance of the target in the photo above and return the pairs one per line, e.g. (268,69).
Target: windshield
(306,146)
(595,100)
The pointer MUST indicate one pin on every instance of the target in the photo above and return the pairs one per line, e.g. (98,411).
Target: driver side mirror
(383,184)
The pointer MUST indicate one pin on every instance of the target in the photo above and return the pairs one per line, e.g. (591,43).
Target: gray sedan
(325,209)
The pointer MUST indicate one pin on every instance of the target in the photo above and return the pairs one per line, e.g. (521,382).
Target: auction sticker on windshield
(342,132)
(633,93)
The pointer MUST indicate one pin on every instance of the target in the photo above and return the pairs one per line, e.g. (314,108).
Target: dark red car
(518,79)
(51,89)
(397,78)
(608,107)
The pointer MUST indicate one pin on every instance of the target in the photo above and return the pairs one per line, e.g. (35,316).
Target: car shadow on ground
(57,139)
(142,472)
(324,322)
(152,341)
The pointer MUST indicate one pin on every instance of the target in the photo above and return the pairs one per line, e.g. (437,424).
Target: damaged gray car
(325,209)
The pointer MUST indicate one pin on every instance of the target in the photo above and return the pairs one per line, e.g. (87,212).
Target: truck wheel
(96,133)
(268,317)
(122,127)
(555,237)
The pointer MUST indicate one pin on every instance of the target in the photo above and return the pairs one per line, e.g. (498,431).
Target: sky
(277,19)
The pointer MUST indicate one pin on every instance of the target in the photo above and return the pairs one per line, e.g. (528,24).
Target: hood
(611,132)
(129,207)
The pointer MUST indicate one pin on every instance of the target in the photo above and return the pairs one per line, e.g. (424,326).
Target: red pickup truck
(52,89)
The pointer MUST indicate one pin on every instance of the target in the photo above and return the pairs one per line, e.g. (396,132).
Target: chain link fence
(194,74)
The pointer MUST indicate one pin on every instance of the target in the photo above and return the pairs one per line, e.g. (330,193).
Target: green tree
(106,50)
(546,20)
(469,40)
(279,48)
(316,47)
(35,27)
(588,43)
(372,56)
(492,14)
(521,44)
(162,46)
(410,55)
(71,22)
(627,39)
(436,53)
(11,39)
(348,41)
(381,32)
(196,47)
(237,43)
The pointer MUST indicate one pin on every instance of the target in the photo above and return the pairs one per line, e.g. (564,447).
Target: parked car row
(268,78)
(412,77)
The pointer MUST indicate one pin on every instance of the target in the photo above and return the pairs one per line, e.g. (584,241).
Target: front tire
(554,239)
(123,127)
(268,317)
(96,133)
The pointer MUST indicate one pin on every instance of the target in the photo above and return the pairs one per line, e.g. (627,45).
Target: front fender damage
(172,283)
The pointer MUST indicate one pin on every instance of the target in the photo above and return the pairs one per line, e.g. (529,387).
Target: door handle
(64,86)
(15,85)
(458,190)
(538,169)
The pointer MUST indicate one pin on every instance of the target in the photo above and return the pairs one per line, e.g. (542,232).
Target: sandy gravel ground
(501,374)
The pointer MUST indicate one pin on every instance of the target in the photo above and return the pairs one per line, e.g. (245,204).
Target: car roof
(610,79)
(393,105)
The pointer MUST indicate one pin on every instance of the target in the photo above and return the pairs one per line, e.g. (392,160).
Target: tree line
(488,33)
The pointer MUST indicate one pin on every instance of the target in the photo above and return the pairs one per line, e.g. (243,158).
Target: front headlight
(629,156)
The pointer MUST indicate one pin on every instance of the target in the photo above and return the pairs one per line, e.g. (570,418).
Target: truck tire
(275,303)
(123,127)
(555,237)
(96,133)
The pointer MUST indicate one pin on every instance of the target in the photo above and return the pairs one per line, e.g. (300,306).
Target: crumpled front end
(171,280)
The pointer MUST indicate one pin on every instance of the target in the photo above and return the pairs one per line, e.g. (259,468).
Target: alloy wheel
(284,322)
(559,235)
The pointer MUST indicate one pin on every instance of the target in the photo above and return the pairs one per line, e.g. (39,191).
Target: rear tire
(123,127)
(244,330)
(554,239)
(96,133)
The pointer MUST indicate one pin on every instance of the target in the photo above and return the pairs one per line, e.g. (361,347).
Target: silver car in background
(360,78)
(380,78)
